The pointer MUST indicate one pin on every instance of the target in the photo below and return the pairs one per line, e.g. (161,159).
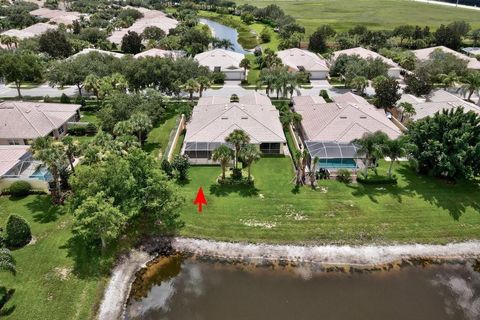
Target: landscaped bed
(417,209)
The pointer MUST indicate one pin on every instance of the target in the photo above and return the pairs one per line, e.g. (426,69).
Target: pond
(178,288)
(224,32)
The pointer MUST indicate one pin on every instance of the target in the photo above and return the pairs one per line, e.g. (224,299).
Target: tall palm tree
(267,79)
(393,149)
(72,148)
(238,138)
(371,146)
(140,124)
(92,84)
(292,83)
(223,155)
(449,80)
(408,110)
(249,155)
(7,262)
(245,64)
(52,154)
(191,86)
(301,163)
(360,83)
(313,171)
(204,83)
(471,85)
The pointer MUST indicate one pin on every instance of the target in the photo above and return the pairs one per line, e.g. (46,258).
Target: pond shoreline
(329,257)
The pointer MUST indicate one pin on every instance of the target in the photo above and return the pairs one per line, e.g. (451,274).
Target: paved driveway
(40,91)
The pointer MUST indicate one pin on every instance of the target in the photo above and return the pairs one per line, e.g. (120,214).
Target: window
(217,69)
(270,148)
(61,130)
(13,142)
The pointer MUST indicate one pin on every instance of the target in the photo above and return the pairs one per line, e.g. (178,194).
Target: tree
(393,149)
(245,64)
(19,67)
(52,154)
(98,219)
(55,44)
(301,157)
(471,85)
(317,41)
(191,86)
(238,138)
(140,123)
(265,35)
(249,154)
(167,168)
(407,110)
(7,262)
(181,165)
(449,80)
(17,232)
(386,93)
(247,17)
(313,171)
(204,83)
(92,84)
(370,146)
(132,43)
(418,84)
(360,83)
(475,36)
(153,33)
(72,149)
(447,144)
(223,155)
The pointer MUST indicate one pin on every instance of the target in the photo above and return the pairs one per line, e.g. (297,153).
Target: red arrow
(200,199)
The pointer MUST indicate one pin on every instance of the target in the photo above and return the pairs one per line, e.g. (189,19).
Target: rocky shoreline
(328,258)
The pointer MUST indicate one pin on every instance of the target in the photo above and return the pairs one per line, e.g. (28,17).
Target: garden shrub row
(374,179)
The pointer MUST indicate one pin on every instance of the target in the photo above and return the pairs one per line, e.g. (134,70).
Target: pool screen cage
(334,155)
(196,150)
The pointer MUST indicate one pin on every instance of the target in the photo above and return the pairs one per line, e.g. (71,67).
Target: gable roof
(30,32)
(294,58)
(342,122)
(214,118)
(220,58)
(88,50)
(10,156)
(30,120)
(424,54)
(364,54)
(57,16)
(174,54)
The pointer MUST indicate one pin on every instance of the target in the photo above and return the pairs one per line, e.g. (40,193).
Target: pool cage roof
(203,146)
(332,150)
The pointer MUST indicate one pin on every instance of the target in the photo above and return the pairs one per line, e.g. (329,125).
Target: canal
(221,31)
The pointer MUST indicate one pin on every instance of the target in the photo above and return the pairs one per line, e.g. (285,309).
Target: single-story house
(57,16)
(21,122)
(174,54)
(436,101)
(221,60)
(424,54)
(303,60)
(214,118)
(472,51)
(393,68)
(151,18)
(328,129)
(88,50)
(30,32)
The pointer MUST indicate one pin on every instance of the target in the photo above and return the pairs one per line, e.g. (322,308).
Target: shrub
(325,96)
(344,175)
(265,35)
(77,130)
(64,98)
(80,100)
(18,232)
(218,78)
(90,129)
(236,174)
(47,99)
(374,179)
(20,189)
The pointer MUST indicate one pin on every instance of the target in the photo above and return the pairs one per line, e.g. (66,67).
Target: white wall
(318,75)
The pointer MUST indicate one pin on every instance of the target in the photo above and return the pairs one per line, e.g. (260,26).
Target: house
(21,122)
(472,51)
(424,54)
(436,102)
(57,16)
(29,32)
(328,129)
(88,50)
(302,60)
(174,54)
(151,18)
(225,61)
(214,118)
(393,68)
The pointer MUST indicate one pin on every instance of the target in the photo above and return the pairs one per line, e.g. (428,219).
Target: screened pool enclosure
(334,155)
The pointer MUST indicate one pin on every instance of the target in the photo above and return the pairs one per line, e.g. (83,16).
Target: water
(42,173)
(223,32)
(189,289)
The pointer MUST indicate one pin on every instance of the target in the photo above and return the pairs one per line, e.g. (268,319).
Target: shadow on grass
(5,296)
(42,209)
(243,190)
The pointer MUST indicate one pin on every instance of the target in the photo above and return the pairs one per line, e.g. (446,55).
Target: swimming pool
(42,173)
(337,164)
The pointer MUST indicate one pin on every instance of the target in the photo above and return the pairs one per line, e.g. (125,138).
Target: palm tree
(72,148)
(245,64)
(292,83)
(267,79)
(249,155)
(371,146)
(408,110)
(471,84)
(449,80)
(301,159)
(238,138)
(313,171)
(52,154)
(140,123)
(92,84)
(7,262)
(191,86)
(360,83)
(393,149)
(223,43)
(223,155)
(204,83)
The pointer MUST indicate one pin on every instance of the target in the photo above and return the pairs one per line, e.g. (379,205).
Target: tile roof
(30,120)
(30,32)
(88,50)
(424,54)
(365,53)
(10,156)
(342,122)
(227,60)
(174,54)
(294,58)
(214,118)
(57,16)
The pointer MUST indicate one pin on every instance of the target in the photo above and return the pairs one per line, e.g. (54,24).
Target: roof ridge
(244,111)
(25,117)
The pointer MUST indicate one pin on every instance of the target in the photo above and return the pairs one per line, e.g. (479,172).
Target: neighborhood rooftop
(29,32)
(296,59)
(342,121)
(30,120)
(10,156)
(174,54)
(57,16)
(424,54)
(225,59)
(365,54)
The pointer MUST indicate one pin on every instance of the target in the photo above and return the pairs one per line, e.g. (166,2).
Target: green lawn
(419,209)
(376,14)
(49,284)
(88,116)
(254,72)
(158,138)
